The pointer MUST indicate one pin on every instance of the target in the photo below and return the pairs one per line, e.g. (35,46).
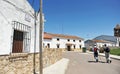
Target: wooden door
(17,42)
(69,48)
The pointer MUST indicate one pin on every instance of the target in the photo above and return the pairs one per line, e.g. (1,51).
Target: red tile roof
(47,36)
(101,41)
(50,35)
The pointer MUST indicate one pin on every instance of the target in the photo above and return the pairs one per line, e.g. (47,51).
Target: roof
(101,41)
(47,36)
(51,35)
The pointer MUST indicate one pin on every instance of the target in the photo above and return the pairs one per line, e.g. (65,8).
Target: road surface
(84,63)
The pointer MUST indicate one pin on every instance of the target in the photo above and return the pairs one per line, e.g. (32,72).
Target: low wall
(77,49)
(22,63)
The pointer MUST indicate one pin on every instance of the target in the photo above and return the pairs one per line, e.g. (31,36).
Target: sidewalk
(111,56)
(57,68)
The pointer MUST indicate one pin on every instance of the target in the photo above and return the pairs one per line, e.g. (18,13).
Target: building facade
(17,29)
(67,42)
(99,43)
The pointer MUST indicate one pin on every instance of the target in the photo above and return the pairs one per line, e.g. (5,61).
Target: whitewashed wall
(107,43)
(5,36)
(62,42)
(10,13)
(118,40)
(47,41)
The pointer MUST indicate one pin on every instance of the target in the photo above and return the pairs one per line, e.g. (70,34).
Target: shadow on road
(96,62)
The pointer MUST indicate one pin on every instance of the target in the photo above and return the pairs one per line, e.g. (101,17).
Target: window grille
(26,34)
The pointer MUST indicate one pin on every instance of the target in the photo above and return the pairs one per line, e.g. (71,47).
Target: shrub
(101,50)
(91,49)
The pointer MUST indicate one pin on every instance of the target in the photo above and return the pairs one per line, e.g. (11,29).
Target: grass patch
(115,51)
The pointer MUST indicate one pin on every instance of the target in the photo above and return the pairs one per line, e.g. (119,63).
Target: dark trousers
(96,55)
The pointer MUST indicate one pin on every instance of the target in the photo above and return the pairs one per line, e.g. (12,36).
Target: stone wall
(77,49)
(22,63)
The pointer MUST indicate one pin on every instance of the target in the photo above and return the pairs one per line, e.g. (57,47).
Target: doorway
(68,48)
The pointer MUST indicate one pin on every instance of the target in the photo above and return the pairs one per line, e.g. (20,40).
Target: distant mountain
(106,37)
(90,42)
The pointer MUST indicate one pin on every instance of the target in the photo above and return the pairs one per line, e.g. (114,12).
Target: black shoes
(96,60)
(109,61)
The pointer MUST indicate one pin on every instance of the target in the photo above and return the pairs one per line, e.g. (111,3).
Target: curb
(115,58)
(111,56)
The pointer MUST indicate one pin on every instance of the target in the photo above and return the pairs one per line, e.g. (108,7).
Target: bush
(101,50)
(91,49)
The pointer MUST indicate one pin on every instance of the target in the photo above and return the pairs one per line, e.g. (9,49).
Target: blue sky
(83,18)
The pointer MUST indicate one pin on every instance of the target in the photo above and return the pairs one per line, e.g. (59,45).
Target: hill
(106,37)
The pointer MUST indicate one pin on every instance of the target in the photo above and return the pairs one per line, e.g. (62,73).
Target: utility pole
(41,40)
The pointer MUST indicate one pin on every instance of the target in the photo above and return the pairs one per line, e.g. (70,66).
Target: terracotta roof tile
(101,41)
(64,36)
(47,36)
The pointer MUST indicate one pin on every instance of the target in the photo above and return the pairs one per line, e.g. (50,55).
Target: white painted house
(62,41)
(17,27)
(101,43)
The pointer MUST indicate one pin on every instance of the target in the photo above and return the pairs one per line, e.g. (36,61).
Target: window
(48,45)
(68,40)
(74,46)
(21,37)
(58,39)
(18,42)
(73,40)
(79,40)
(80,46)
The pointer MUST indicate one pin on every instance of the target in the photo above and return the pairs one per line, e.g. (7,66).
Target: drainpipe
(34,44)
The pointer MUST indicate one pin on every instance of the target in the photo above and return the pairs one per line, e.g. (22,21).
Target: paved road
(83,63)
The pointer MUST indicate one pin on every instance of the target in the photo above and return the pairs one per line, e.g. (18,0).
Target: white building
(101,43)
(62,41)
(17,27)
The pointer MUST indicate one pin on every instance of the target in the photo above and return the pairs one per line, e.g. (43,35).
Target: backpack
(95,50)
(107,49)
